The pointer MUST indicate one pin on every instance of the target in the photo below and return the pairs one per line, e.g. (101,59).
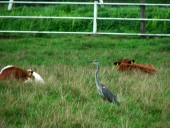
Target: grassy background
(69,97)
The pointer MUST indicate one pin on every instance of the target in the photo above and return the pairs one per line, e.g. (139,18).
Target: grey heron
(104,92)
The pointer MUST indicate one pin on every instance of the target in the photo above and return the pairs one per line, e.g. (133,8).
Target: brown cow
(126,64)
(13,72)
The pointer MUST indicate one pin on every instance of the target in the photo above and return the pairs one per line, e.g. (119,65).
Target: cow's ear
(117,64)
(30,73)
(132,61)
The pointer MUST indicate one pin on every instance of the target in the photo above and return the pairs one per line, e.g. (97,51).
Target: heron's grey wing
(109,95)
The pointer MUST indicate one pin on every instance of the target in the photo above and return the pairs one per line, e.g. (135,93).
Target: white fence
(95,18)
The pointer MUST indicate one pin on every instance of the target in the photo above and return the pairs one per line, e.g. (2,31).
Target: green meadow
(69,97)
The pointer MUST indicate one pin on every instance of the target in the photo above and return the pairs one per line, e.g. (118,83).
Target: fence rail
(95,18)
(85,3)
(82,18)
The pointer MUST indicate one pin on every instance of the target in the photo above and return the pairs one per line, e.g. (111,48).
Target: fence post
(142,15)
(101,2)
(10,5)
(95,18)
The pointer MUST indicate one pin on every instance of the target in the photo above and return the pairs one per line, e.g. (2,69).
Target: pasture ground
(69,97)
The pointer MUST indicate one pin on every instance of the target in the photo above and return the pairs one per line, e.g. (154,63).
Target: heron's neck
(96,74)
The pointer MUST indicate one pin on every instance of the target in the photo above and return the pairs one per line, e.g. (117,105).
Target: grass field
(69,98)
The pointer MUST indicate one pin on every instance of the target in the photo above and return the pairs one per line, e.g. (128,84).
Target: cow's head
(33,76)
(126,61)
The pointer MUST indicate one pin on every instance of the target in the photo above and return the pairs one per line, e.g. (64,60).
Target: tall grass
(69,97)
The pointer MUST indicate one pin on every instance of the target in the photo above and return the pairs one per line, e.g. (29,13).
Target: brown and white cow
(126,64)
(13,72)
